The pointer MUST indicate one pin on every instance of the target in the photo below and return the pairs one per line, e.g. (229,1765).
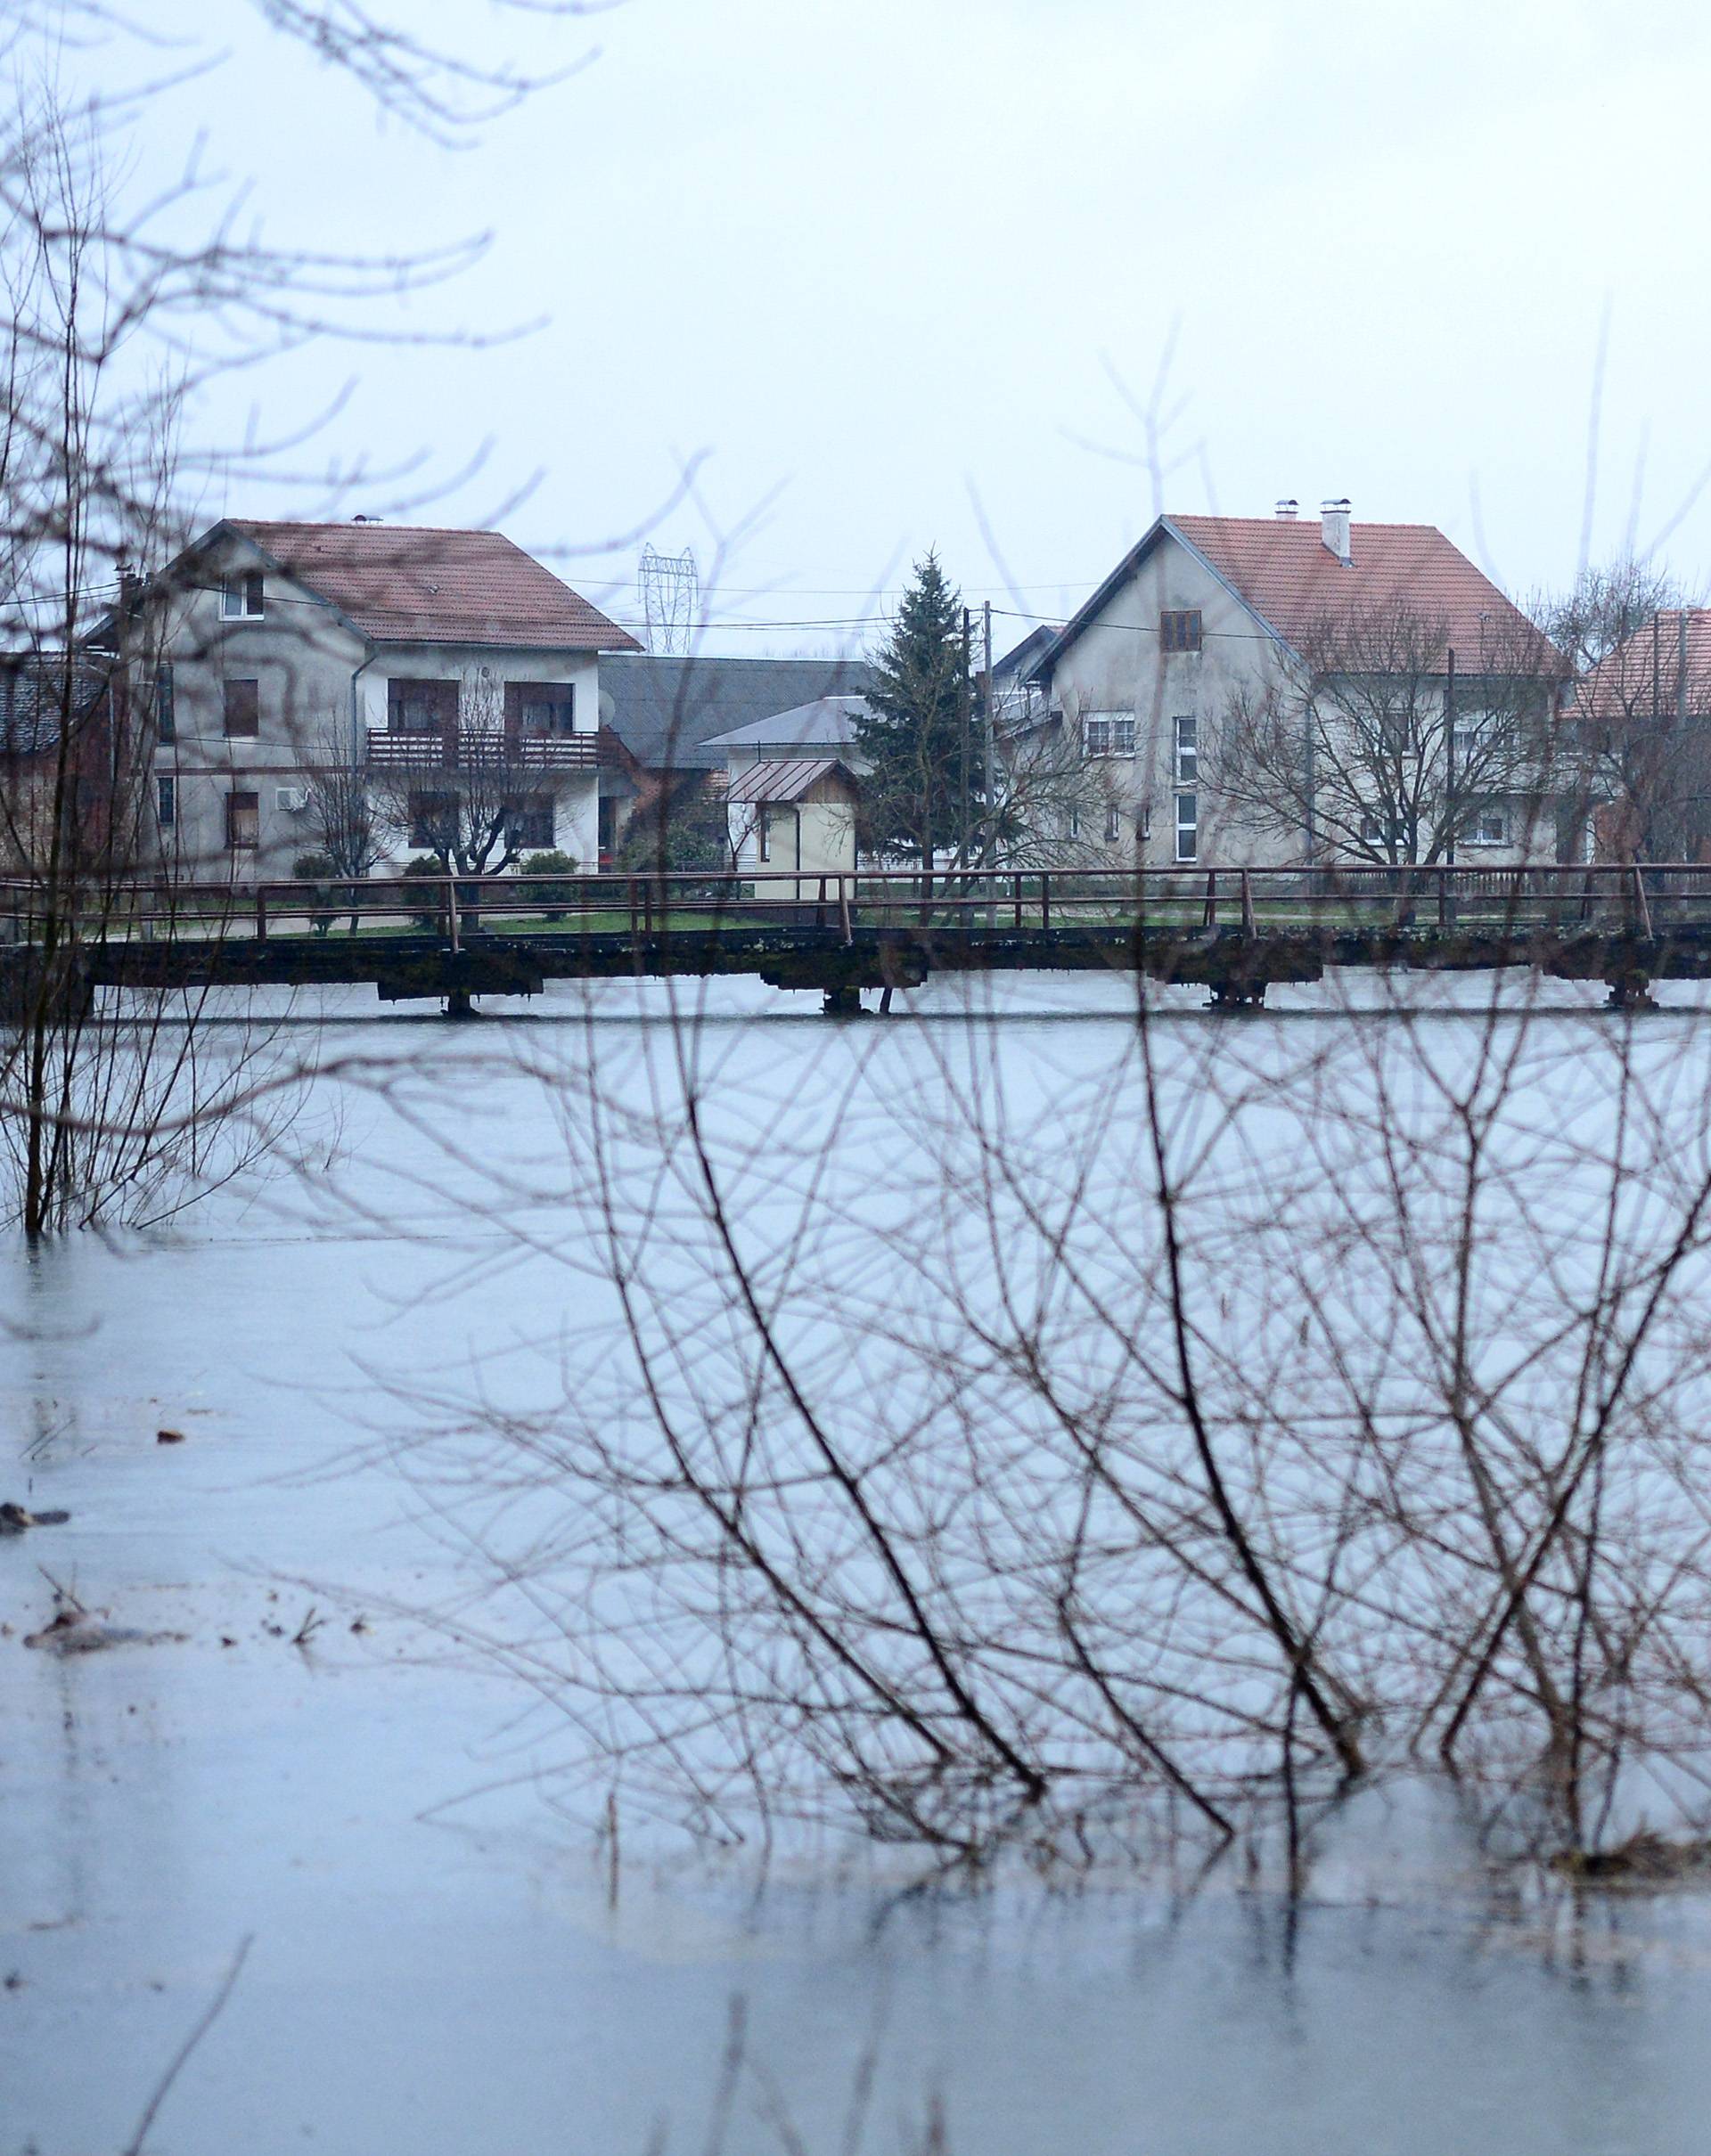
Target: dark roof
(667,711)
(32,691)
(1283,571)
(828,718)
(785,781)
(415,583)
(1020,657)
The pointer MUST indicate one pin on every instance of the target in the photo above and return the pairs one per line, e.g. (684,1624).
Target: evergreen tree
(922,793)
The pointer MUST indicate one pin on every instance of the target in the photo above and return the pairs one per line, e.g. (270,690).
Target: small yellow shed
(794,823)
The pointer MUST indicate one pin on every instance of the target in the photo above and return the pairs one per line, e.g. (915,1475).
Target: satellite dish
(608,708)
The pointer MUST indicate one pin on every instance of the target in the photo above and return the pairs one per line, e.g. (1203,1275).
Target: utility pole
(988,787)
(968,732)
(1450,804)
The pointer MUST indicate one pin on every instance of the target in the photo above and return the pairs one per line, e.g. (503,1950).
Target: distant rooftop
(669,712)
(828,718)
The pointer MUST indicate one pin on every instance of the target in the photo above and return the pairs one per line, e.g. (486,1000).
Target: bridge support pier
(842,1003)
(1237,995)
(1632,991)
(458,1004)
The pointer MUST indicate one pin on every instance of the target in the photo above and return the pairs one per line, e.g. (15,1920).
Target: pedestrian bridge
(1237,932)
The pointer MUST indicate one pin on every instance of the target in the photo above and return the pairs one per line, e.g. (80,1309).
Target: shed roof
(828,718)
(778,780)
(421,583)
(668,712)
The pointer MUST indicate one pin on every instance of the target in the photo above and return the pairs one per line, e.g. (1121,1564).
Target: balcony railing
(474,749)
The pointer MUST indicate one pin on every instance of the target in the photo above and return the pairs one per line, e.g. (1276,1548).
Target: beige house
(1267,691)
(431,662)
(819,736)
(794,817)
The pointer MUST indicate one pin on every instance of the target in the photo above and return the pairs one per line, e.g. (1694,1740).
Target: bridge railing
(1605,898)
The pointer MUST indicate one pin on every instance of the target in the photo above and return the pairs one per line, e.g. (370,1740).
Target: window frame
(236,592)
(420,805)
(166,705)
(166,799)
(1107,734)
(542,808)
(439,698)
(251,733)
(1113,823)
(1181,630)
(559,697)
(241,801)
(1190,825)
(1185,750)
(1501,836)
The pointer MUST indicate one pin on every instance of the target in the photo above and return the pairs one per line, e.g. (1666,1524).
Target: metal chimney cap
(1288,509)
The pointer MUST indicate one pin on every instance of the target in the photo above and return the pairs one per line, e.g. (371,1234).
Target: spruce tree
(920,795)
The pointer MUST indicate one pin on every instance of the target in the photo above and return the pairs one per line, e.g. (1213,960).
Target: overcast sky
(881,261)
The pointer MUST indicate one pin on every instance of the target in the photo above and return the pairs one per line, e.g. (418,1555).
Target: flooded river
(441,1963)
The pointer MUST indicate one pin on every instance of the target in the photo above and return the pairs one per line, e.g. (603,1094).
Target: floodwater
(443,1964)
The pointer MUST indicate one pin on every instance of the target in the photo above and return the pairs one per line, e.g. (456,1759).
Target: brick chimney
(1334,526)
(1289,510)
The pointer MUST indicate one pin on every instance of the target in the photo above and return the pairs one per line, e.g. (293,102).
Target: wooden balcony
(476,749)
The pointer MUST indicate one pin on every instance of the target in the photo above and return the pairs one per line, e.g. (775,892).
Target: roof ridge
(348,524)
(1300,524)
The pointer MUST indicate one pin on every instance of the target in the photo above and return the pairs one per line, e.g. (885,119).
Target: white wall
(320,686)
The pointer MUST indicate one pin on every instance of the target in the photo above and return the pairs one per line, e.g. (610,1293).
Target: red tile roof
(1621,686)
(412,584)
(1287,573)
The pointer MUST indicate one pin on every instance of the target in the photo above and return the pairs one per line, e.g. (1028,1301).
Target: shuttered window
(243,710)
(1180,630)
(243,823)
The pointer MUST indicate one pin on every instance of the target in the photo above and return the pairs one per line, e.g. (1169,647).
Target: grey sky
(877,257)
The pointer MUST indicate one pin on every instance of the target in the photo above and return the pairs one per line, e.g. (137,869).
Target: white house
(268,651)
(1217,637)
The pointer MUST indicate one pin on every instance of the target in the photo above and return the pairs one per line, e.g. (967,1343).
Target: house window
(542,708)
(166,800)
(1107,733)
(1180,631)
(1188,825)
(1113,824)
(1075,823)
(1490,828)
(433,821)
(241,597)
(1381,830)
(1187,744)
(166,717)
(763,834)
(243,710)
(528,822)
(243,823)
(421,706)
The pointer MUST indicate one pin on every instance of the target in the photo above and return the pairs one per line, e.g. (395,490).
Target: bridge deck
(1234,931)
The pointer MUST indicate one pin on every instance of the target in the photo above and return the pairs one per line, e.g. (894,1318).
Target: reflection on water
(463,1983)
